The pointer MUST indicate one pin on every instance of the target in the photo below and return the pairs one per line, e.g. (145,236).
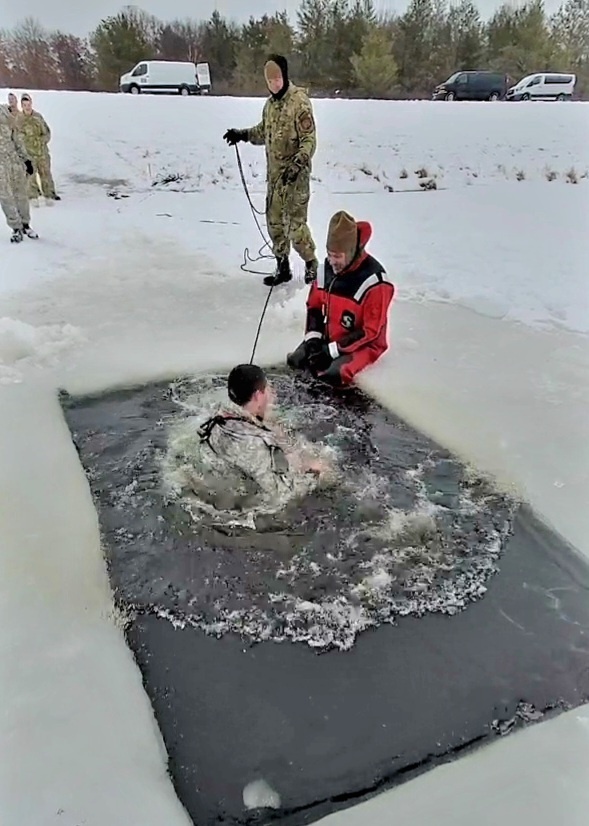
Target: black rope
(266,245)
(260,324)
(262,256)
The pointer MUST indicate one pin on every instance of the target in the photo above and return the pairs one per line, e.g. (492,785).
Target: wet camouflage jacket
(35,132)
(288,131)
(240,450)
(11,144)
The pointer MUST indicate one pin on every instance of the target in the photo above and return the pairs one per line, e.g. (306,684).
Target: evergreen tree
(313,44)
(121,41)
(467,35)
(259,38)
(220,40)
(375,68)
(570,32)
(519,40)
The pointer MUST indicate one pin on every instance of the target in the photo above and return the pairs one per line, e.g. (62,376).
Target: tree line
(334,47)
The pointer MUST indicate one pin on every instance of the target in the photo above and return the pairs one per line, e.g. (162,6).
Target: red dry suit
(349,311)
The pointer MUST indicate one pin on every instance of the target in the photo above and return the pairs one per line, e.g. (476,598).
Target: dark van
(473,86)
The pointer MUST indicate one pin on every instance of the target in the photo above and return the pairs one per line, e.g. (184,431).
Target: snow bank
(23,344)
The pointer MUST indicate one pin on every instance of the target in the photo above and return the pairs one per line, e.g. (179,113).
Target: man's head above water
(248,387)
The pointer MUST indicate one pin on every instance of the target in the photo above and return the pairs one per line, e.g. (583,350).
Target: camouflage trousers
(41,182)
(287,207)
(13,193)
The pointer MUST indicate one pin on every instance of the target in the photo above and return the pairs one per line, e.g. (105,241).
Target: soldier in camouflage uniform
(36,136)
(13,104)
(14,160)
(241,457)
(287,130)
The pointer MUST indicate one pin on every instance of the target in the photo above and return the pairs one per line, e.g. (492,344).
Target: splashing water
(402,528)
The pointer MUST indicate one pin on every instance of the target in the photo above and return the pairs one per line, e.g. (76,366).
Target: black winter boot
(282,275)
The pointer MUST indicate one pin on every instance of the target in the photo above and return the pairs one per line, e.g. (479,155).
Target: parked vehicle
(544,86)
(473,86)
(167,76)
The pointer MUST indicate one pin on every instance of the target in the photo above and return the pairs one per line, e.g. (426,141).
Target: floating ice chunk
(260,795)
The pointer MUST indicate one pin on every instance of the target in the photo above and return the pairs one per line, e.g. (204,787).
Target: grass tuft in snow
(168,178)
(571,176)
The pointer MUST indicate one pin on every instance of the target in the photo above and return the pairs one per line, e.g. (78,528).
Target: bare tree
(75,61)
(5,63)
(34,63)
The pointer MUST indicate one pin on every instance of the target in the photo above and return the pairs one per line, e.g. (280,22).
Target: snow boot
(17,236)
(311,270)
(30,233)
(282,274)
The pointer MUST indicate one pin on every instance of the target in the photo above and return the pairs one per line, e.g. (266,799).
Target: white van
(543,86)
(167,76)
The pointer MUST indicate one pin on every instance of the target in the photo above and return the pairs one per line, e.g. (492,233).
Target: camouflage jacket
(11,144)
(288,131)
(241,451)
(35,132)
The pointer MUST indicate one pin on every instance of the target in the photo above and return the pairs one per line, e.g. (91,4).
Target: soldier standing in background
(287,130)
(36,136)
(13,185)
(13,104)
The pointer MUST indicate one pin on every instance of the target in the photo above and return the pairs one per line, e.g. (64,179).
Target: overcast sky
(82,16)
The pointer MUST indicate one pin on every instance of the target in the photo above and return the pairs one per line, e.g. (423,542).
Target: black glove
(299,358)
(29,167)
(320,359)
(233,136)
(292,171)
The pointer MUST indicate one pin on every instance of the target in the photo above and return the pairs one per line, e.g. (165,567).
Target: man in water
(287,129)
(347,307)
(239,439)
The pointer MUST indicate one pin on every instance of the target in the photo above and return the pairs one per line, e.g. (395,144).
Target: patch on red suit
(347,320)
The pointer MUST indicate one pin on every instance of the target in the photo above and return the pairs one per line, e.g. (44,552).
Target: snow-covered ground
(489,354)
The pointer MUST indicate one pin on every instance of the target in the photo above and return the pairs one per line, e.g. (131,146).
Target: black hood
(282,63)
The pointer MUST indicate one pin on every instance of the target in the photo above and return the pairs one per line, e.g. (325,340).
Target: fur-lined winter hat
(342,235)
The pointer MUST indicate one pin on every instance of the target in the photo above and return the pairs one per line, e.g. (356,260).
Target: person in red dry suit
(347,307)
